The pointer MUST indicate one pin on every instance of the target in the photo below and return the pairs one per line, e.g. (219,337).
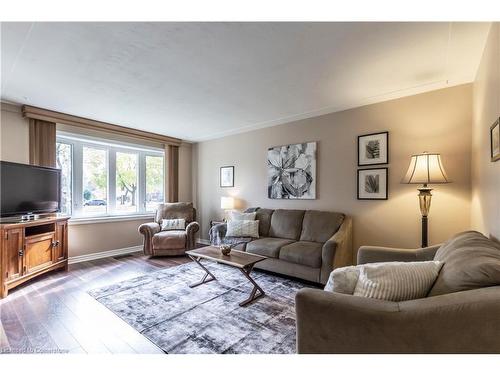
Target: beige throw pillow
(397,281)
(243,228)
(236,215)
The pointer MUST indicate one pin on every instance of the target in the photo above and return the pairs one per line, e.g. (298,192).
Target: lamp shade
(425,168)
(227,203)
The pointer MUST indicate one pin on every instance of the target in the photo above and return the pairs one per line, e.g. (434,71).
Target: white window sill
(109,219)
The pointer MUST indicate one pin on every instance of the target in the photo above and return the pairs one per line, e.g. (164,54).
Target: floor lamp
(425,168)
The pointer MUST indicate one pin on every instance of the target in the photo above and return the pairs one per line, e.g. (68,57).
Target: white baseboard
(113,253)
(104,254)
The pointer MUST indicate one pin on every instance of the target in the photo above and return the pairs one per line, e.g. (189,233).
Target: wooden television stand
(31,248)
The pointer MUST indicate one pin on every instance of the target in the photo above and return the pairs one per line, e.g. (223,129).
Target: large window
(103,179)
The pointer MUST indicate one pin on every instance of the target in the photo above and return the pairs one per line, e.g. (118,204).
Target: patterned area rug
(207,318)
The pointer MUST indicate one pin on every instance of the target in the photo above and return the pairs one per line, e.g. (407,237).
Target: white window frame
(77,142)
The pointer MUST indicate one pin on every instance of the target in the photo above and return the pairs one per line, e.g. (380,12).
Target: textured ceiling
(198,81)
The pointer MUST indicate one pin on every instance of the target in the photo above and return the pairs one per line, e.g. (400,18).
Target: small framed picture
(373,184)
(373,149)
(495,140)
(227,176)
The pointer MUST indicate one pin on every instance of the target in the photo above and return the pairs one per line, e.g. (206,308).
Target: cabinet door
(60,245)
(13,249)
(38,253)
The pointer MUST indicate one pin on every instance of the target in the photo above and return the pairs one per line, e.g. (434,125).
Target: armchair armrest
(462,322)
(191,230)
(373,254)
(337,251)
(148,230)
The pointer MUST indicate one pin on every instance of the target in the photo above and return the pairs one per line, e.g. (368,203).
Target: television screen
(28,189)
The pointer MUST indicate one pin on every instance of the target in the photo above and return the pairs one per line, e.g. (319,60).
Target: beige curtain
(172,160)
(42,143)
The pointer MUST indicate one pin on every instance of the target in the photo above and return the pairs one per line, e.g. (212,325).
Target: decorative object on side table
(495,141)
(373,184)
(291,171)
(425,168)
(373,149)
(226,176)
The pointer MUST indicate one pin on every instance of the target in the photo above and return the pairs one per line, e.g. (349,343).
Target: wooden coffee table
(238,259)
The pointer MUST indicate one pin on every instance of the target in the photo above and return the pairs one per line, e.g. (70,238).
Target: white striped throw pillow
(243,228)
(397,281)
(173,224)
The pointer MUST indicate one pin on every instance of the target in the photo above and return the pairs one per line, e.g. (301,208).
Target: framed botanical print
(373,149)
(226,176)
(495,141)
(373,183)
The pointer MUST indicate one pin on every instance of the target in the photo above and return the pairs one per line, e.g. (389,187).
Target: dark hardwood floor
(54,313)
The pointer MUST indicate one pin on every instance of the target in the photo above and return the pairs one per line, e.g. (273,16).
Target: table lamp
(226,204)
(425,168)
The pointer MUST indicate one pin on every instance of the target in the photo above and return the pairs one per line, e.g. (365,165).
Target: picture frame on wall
(495,141)
(373,149)
(373,184)
(226,176)
(291,171)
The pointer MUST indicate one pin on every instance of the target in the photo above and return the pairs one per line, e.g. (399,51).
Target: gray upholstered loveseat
(306,244)
(460,315)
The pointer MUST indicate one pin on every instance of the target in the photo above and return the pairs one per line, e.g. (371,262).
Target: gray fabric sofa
(306,244)
(461,313)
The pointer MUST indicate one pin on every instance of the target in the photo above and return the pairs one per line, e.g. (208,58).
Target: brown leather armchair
(171,242)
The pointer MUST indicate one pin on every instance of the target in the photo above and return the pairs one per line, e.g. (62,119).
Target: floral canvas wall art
(292,171)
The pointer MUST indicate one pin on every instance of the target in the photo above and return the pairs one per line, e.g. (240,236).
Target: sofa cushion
(268,246)
(264,216)
(172,239)
(286,224)
(179,210)
(319,226)
(302,252)
(470,260)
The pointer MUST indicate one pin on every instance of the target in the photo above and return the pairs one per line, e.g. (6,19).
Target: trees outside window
(126,182)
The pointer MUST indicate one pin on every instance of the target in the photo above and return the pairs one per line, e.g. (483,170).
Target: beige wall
(14,134)
(83,238)
(86,239)
(485,213)
(438,121)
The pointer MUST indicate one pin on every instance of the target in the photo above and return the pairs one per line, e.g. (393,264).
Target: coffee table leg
(256,287)
(207,273)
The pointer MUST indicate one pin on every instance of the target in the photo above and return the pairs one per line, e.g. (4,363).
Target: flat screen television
(26,189)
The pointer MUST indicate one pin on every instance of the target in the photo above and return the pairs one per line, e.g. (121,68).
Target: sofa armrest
(337,251)
(462,322)
(373,254)
(148,230)
(191,230)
